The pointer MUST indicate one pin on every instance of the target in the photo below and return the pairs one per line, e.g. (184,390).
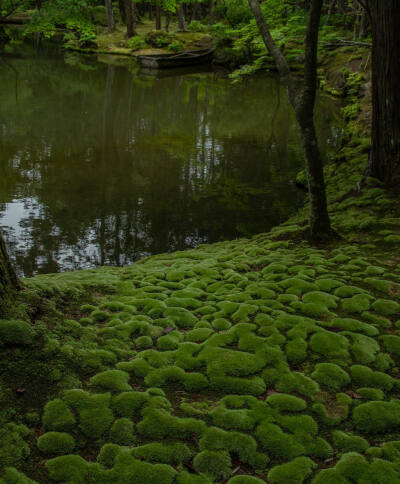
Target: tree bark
(9,283)
(158,17)
(303,102)
(384,161)
(181,18)
(167,21)
(130,18)
(110,16)
(212,11)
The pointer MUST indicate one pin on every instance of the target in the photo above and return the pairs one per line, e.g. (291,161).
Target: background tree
(384,161)
(303,102)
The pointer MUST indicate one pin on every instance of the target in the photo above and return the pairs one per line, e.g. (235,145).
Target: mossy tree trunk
(181,17)
(385,153)
(130,18)
(9,282)
(303,102)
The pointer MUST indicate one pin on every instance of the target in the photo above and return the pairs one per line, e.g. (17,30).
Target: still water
(101,164)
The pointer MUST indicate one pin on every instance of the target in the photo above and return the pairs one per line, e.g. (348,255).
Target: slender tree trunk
(181,18)
(110,16)
(385,153)
(330,11)
(212,12)
(303,103)
(363,24)
(9,282)
(167,21)
(158,17)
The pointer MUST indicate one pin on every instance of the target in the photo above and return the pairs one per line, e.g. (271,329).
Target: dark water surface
(100,164)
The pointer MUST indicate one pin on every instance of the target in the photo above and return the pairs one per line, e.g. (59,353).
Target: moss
(198,335)
(215,464)
(221,324)
(348,443)
(376,417)
(122,432)
(330,345)
(67,468)
(128,404)
(57,416)
(114,380)
(296,350)
(172,454)
(277,443)
(386,307)
(357,303)
(353,466)
(329,476)
(13,476)
(371,393)
(288,403)
(364,376)
(16,333)
(295,472)
(95,416)
(13,448)
(143,342)
(330,375)
(108,454)
(58,443)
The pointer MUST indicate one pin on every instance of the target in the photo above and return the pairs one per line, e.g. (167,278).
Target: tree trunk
(9,282)
(121,4)
(385,153)
(158,17)
(167,21)
(212,11)
(110,16)
(303,103)
(330,11)
(130,19)
(181,18)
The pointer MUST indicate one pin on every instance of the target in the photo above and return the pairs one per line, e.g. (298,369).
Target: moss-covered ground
(257,360)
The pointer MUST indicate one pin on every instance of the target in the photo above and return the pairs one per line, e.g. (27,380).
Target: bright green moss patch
(377,417)
(215,464)
(57,416)
(114,380)
(68,468)
(58,443)
(330,375)
(172,454)
(122,432)
(294,472)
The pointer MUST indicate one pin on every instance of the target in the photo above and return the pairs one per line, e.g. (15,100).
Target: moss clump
(278,443)
(330,375)
(286,403)
(12,476)
(18,333)
(215,464)
(57,416)
(330,345)
(377,417)
(295,472)
(95,416)
(172,454)
(114,380)
(357,304)
(348,443)
(108,454)
(128,404)
(68,468)
(122,432)
(13,448)
(386,307)
(58,443)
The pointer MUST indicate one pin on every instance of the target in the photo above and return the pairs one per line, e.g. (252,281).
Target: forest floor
(256,360)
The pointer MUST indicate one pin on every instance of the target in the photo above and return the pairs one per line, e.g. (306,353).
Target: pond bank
(241,362)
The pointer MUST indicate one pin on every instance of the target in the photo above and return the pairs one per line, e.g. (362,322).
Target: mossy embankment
(256,360)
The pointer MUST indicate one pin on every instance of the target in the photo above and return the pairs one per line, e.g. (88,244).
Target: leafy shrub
(136,43)
(175,46)
(196,26)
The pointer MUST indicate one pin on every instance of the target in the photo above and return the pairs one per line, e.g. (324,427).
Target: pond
(101,164)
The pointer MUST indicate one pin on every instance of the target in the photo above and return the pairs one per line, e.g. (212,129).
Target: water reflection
(102,165)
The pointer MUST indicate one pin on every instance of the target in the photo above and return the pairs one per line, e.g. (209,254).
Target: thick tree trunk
(167,21)
(110,16)
(181,17)
(303,103)
(130,18)
(9,283)
(121,4)
(385,153)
